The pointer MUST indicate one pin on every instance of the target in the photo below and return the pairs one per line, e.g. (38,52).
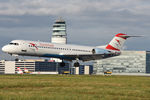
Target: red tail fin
(117,42)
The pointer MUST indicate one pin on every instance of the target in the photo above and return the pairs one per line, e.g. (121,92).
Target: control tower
(59,34)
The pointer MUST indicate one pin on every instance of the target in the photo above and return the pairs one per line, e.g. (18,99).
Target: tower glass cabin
(59,34)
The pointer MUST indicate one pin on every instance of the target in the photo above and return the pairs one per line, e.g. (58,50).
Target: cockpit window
(13,44)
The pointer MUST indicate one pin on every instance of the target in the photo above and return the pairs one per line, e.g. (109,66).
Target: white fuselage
(44,49)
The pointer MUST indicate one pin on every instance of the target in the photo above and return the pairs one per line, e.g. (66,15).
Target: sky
(89,22)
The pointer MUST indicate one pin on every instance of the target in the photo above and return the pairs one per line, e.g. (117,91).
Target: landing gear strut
(15,55)
(62,64)
(77,64)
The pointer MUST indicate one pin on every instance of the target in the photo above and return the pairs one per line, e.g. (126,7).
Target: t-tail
(118,41)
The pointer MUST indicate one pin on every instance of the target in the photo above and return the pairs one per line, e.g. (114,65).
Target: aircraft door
(32,49)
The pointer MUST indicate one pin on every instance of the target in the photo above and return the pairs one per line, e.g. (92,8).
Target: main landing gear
(17,59)
(62,64)
(77,64)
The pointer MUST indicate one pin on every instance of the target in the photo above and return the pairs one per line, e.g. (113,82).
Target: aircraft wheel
(16,59)
(62,64)
(76,64)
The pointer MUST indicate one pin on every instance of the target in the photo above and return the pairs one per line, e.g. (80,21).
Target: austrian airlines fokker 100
(66,51)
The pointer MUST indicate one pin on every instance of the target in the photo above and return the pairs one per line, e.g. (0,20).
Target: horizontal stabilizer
(127,36)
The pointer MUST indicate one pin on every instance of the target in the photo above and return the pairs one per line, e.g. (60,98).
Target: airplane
(19,71)
(66,52)
(26,70)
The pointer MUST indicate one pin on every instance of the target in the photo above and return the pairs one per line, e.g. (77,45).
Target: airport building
(41,66)
(129,62)
(34,66)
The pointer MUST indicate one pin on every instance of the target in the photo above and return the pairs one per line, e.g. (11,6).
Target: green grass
(74,87)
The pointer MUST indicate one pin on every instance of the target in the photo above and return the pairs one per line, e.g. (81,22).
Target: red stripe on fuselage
(111,48)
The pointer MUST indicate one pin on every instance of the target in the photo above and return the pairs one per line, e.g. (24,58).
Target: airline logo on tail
(117,42)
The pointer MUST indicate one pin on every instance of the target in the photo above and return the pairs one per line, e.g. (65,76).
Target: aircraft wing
(88,57)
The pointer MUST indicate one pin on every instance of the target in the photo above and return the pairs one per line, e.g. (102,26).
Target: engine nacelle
(99,51)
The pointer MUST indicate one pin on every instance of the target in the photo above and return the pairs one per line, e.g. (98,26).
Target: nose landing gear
(15,55)
(17,59)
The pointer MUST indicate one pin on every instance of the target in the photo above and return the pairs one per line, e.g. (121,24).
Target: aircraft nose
(5,49)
